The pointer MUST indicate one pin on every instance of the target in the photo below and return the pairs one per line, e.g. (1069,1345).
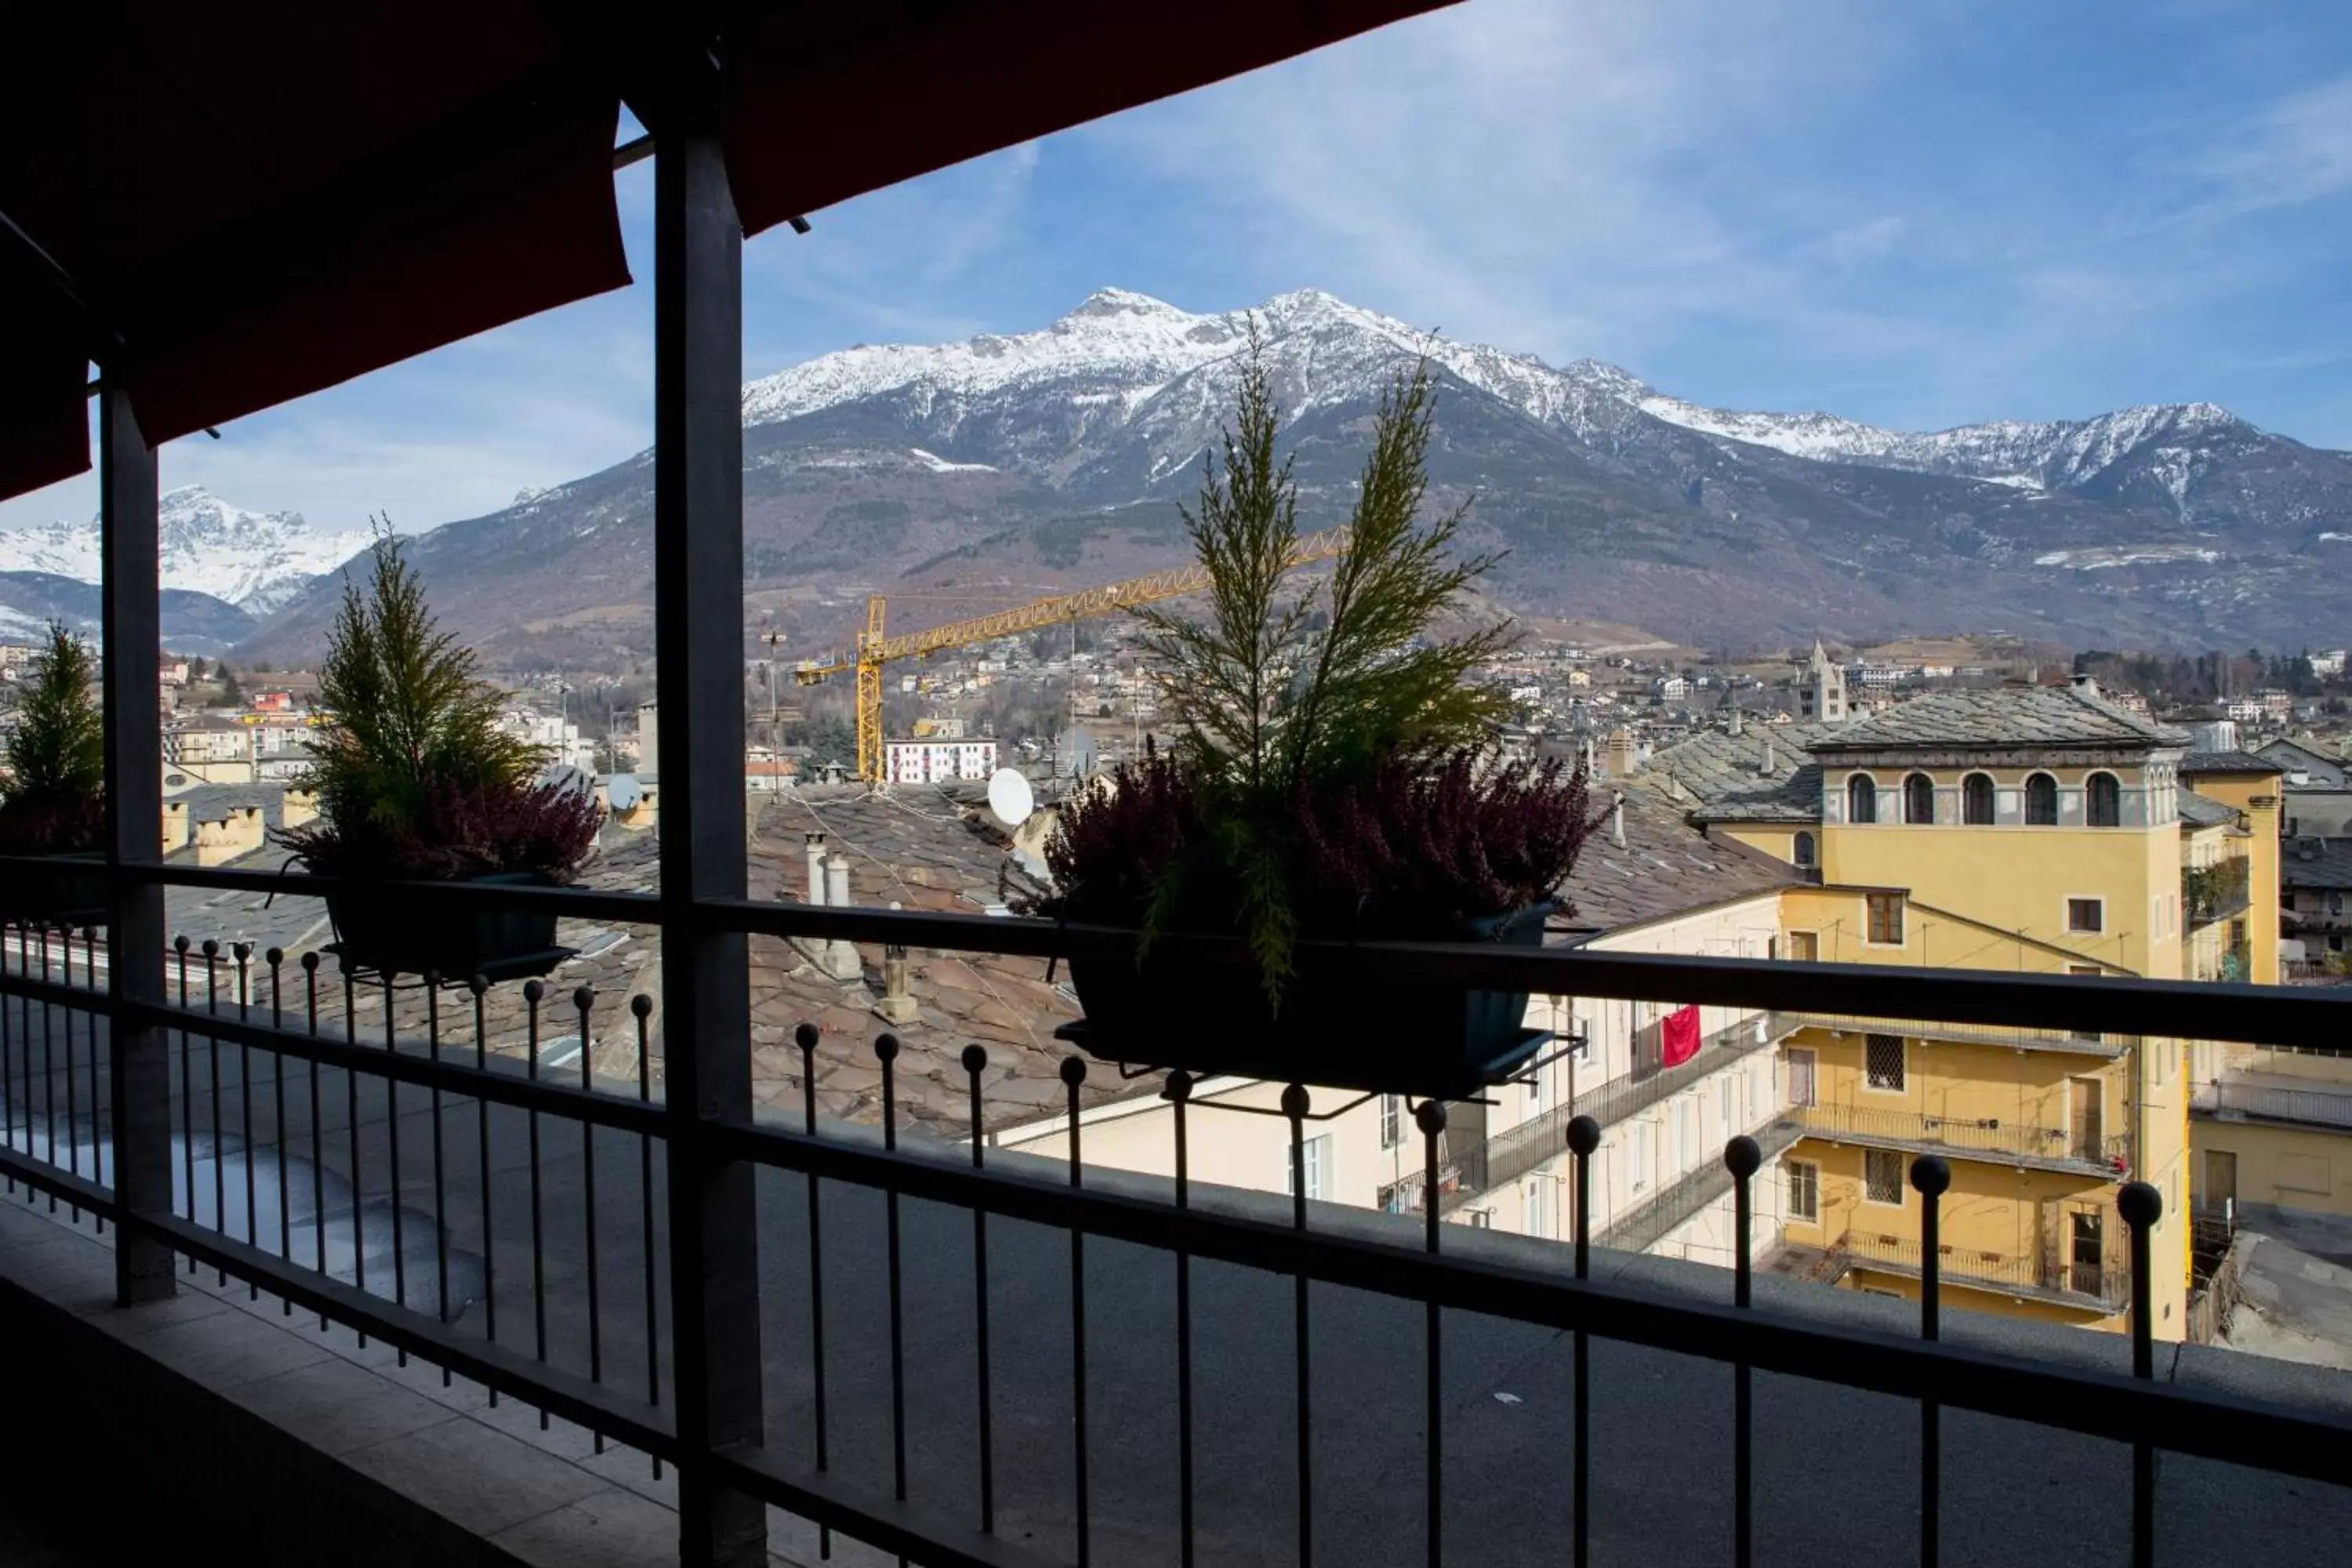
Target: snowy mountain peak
(255,560)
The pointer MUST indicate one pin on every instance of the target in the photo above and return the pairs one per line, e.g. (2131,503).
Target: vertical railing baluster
(886,1051)
(1583,1138)
(49,1066)
(211,950)
(73,1092)
(1074,1075)
(351,1099)
(276,959)
(1295,1104)
(807,1035)
(180,946)
(1933,1178)
(1179,1096)
(641,1007)
(531,993)
(392,1148)
(318,1122)
(975,1063)
(1742,1157)
(2141,1205)
(98,1125)
(97,1077)
(432,979)
(479,987)
(7,1049)
(583,1000)
(243,952)
(1429,1117)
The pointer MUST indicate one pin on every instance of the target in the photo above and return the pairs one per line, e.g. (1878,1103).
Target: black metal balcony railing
(2274,1102)
(1480,1165)
(153,1093)
(2091,1285)
(2088,1151)
(2214,892)
(2090,1039)
(1655,1217)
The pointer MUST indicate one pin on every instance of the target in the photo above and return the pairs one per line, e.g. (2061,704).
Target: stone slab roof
(1665,867)
(2227,763)
(2203,811)
(2318,863)
(2001,716)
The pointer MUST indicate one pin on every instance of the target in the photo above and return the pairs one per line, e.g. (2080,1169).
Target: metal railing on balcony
(1655,1217)
(1481,1164)
(2094,1286)
(2209,893)
(2085,1150)
(347,1144)
(2089,1039)
(2274,1102)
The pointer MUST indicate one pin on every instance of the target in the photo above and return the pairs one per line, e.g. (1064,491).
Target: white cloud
(2296,150)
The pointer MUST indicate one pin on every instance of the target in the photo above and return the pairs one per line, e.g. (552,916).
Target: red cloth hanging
(1679,1037)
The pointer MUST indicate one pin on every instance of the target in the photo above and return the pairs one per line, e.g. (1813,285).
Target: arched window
(2102,801)
(2041,801)
(1861,798)
(1918,798)
(1804,850)
(1976,800)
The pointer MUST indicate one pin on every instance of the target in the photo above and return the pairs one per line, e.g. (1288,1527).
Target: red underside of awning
(241,205)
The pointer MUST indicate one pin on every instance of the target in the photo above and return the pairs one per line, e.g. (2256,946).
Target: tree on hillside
(231,693)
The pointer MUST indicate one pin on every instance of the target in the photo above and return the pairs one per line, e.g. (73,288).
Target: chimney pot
(1617,820)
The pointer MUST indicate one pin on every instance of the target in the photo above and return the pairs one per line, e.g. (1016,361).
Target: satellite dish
(1010,796)
(622,791)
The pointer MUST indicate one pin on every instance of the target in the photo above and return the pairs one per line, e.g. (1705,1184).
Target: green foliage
(231,694)
(56,795)
(57,753)
(1288,694)
(410,719)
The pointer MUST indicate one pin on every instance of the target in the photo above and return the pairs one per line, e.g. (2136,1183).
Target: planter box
(391,930)
(1365,1034)
(65,890)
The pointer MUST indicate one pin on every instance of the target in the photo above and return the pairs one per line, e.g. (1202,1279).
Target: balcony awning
(242,204)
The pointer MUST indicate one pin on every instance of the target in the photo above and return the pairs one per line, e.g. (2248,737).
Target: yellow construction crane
(875,649)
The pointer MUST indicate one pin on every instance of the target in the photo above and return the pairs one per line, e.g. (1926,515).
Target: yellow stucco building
(2028,829)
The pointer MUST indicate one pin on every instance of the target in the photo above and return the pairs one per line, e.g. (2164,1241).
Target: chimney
(1766,766)
(1735,715)
(897,1004)
(1617,820)
(175,825)
(298,807)
(815,842)
(841,958)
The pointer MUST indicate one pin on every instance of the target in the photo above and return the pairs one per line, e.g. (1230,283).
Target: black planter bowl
(63,889)
(1434,1041)
(392,929)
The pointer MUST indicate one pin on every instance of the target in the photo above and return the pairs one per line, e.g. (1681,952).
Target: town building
(930,761)
(207,750)
(1821,693)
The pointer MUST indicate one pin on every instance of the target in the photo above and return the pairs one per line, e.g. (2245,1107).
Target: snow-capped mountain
(1056,456)
(255,560)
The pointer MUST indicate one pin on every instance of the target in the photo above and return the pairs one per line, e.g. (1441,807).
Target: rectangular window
(1730,1103)
(1538,1210)
(1535,1083)
(1317,1153)
(1882,1177)
(1637,1157)
(1392,1121)
(1801,1077)
(1886,919)
(2091,970)
(1883,1062)
(1804,946)
(1804,1191)
(2087,915)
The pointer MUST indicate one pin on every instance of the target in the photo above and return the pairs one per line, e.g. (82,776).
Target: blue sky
(1919,215)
